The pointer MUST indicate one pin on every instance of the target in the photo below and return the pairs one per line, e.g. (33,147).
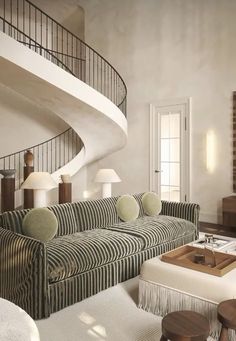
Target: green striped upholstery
(94,214)
(100,213)
(65,215)
(182,210)
(155,230)
(82,264)
(83,251)
(138,198)
(86,284)
(23,275)
(12,220)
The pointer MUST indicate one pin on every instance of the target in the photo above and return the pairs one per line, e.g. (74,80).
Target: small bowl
(7,173)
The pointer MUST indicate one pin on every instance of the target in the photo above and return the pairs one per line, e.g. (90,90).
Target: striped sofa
(92,251)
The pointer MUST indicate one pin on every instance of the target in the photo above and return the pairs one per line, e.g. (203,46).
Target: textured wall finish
(167,49)
(234,141)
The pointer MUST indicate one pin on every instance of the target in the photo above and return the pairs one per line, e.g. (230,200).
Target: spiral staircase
(53,68)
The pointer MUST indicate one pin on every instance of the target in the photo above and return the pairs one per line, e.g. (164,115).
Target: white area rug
(111,315)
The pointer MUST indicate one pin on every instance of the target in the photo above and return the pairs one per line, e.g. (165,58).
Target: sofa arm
(182,210)
(23,275)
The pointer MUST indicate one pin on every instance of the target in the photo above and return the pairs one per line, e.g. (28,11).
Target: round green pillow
(151,203)
(127,208)
(40,223)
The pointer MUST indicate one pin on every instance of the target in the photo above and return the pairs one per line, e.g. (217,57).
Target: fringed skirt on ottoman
(164,288)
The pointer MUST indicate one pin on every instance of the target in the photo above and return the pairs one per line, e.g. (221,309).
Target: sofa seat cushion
(80,252)
(155,230)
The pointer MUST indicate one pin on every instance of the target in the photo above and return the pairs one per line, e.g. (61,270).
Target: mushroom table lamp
(106,177)
(40,182)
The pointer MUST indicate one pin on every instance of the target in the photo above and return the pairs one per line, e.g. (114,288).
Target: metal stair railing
(49,156)
(25,22)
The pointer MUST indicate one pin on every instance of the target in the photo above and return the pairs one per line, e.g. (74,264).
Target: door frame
(185,140)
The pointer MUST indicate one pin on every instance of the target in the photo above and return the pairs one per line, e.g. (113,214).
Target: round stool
(226,313)
(185,326)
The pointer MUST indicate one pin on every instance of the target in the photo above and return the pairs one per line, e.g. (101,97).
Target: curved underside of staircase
(100,124)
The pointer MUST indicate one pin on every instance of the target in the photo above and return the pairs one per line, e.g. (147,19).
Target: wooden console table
(229,211)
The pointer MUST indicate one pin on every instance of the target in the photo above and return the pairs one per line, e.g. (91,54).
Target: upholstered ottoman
(165,288)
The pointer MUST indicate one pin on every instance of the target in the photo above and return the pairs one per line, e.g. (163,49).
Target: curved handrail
(89,66)
(37,46)
(49,155)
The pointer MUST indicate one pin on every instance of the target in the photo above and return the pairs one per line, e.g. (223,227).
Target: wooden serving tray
(184,256)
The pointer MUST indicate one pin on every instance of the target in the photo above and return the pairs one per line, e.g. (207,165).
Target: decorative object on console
(40,224)
(65,189)
(151,203)
(40,182)
(106,177)
(65,178)
(28,169)
(7,173)
(29,158)
(7,190)
(127,208)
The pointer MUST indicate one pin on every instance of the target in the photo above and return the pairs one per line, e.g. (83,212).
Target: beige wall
(169,49)
(22,124)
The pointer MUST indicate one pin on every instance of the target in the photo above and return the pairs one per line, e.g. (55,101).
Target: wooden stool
(226,313)
(185,326)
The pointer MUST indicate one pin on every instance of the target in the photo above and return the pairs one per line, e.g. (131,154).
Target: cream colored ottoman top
(198,284)
(16,324)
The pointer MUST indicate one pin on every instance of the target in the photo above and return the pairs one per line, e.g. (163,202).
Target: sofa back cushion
(64,213)
(94,214)
(138,198)
(12,220)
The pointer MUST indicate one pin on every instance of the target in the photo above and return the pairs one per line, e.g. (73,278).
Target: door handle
(157,171)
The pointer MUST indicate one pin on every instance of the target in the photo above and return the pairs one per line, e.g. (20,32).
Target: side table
(185,326)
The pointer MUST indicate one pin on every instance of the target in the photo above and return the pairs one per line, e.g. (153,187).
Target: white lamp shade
(39,180)
(106,176)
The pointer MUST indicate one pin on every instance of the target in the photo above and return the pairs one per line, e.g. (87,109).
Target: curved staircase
(54,69)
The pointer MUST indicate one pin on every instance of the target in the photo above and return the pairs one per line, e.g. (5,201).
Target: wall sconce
(210,151)
(106,177)
(40,182)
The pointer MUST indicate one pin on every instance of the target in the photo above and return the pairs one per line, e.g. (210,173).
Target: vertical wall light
(210,151)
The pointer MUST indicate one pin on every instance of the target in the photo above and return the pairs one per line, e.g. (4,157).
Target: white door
(169,146)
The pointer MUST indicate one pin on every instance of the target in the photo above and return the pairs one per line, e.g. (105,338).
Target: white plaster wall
(167,49)
(23,124)
(68,13)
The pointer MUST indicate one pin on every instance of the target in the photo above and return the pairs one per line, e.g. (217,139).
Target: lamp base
(106,190)
(40,198)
